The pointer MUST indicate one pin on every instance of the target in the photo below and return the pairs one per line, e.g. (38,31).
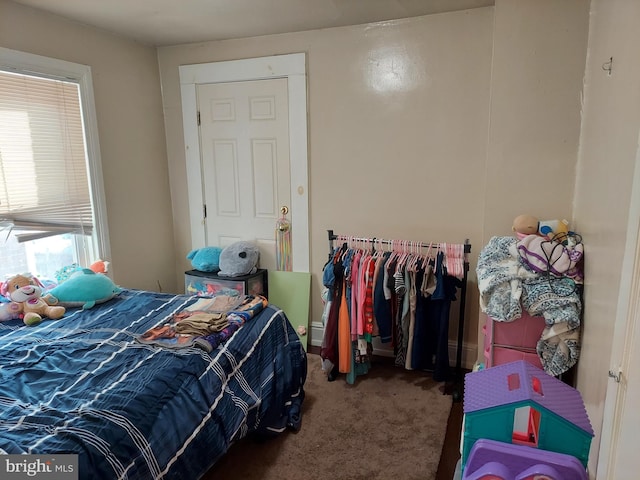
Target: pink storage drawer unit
(500,355)
(509,341)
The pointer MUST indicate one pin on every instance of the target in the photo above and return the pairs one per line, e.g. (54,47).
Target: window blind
(44,188)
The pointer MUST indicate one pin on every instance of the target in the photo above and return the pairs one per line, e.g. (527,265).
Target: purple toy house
(491,460)
(519,403)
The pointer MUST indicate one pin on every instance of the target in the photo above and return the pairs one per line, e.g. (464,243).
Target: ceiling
(174,22)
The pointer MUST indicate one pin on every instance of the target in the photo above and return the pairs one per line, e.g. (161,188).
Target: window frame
(31,64)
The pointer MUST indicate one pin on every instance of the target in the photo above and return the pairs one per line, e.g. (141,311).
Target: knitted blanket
(500,276)
(506,286)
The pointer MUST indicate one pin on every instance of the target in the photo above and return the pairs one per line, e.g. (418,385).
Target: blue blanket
(84,385)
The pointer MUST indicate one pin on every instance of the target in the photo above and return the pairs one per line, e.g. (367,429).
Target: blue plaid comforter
(84,385)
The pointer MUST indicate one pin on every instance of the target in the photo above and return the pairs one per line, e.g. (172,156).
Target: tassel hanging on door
(283,242)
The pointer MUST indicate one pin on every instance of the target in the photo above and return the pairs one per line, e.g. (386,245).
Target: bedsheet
(84,385)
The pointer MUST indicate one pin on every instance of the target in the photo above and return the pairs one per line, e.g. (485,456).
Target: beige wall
(405,161)
(511,92)
(131,130)
(536,87)
(539,53)
(609,143)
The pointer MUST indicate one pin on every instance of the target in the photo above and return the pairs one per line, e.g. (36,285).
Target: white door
(244,145)
(253,123)
(625,462)
(618,456)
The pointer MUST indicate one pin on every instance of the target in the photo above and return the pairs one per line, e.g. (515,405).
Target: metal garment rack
(458,377)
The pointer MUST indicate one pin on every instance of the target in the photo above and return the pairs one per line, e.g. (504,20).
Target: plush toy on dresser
(239,258)
(205,259)
(526,224)
(27,301)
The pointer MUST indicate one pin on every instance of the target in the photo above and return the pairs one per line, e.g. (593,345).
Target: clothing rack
(373,241)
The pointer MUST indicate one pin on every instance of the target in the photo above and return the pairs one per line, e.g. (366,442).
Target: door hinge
(616,376)
(198,117)
(204,210)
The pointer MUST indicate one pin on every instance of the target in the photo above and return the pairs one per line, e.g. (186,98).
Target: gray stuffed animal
(239,258)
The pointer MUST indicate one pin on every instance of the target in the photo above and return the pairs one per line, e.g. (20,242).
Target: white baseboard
(469,352)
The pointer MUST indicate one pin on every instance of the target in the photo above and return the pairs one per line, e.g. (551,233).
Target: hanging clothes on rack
(394,290)
(432,331)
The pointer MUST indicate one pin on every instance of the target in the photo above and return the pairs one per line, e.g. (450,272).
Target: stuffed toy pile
(548,246)
(237,259)
(25,297)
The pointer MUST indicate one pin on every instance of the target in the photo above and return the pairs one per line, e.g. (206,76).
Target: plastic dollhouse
(518,403)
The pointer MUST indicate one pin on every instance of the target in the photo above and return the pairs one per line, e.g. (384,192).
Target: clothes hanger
(417,255)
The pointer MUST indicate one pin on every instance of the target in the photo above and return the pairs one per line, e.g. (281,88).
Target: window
(52,210)
(513,381)
(526,426)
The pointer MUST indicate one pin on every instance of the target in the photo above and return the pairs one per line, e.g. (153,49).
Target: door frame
(293,68)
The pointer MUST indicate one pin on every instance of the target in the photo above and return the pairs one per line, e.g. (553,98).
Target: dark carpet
(390,424)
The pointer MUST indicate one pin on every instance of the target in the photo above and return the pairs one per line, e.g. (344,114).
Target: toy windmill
(283,241)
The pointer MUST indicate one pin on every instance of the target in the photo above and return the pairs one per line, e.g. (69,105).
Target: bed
(85,385)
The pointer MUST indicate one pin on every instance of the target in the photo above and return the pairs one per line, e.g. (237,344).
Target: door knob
(283,223)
